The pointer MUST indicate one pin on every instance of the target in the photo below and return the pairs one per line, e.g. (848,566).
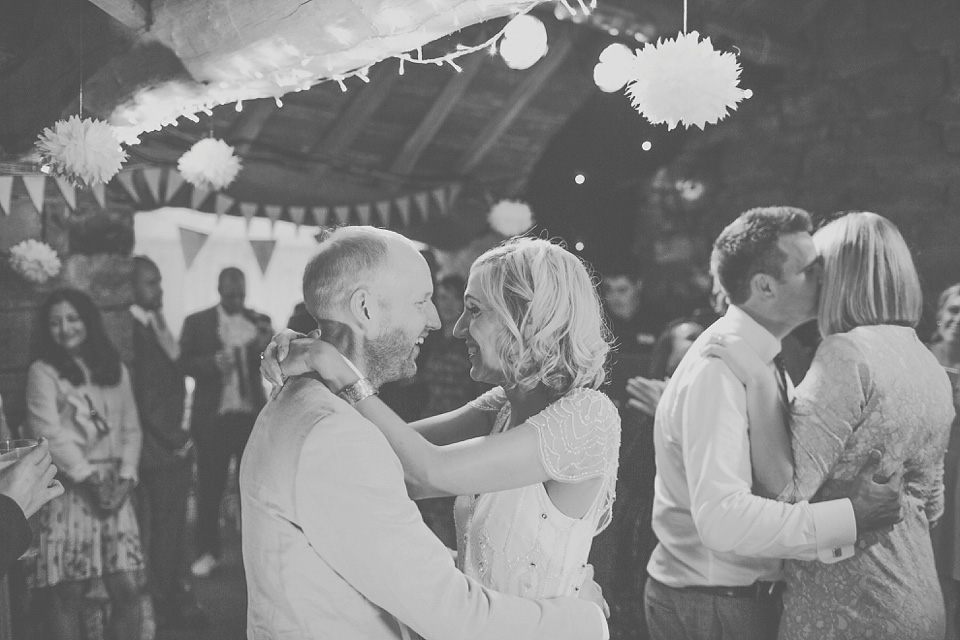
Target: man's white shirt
(713,531)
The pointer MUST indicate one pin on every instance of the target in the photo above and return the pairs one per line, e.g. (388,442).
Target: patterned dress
(517,541)
(77,541)
(875,387)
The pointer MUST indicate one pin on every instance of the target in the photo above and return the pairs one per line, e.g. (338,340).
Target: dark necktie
(782,384)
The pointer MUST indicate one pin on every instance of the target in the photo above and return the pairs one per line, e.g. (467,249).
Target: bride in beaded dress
(533,461)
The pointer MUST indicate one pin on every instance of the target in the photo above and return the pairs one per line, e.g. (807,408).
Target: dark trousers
(162,509)
(681,614)
(219,440)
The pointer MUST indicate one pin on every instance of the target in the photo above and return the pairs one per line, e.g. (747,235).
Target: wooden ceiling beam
(340,134)
(248,124)
(421,137)
(526,91)
(129,13)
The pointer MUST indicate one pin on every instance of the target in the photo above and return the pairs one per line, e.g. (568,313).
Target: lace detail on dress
(492,400)
(579,435)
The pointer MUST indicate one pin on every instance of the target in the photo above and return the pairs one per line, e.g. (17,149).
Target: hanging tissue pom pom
(34,261)
(84,151)
(510,217)
(210,164)
(685,81)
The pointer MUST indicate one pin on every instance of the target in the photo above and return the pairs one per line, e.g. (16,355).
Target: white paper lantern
(685,81)
(523,43)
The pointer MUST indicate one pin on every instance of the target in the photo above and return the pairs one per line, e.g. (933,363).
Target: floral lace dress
(517,541)
(875,387)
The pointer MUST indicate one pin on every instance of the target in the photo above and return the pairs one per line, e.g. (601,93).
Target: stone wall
(872,122)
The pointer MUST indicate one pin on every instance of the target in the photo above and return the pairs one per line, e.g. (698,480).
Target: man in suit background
(220,348)
(166,461)
(333,547)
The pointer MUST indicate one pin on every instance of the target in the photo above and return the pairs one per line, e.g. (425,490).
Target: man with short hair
(333,547)
(715,573)
(166,461)
(220,348)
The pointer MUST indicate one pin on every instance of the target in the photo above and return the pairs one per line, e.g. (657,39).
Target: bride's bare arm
(300,354)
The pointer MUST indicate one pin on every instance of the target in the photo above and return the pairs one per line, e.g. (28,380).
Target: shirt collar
(764,342)
(141,314)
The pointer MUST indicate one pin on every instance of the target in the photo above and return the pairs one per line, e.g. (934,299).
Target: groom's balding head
(348,259)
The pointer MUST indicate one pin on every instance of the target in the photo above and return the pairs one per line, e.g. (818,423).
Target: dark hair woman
(79,397)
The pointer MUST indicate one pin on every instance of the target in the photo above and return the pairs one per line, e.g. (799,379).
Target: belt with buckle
(758,589)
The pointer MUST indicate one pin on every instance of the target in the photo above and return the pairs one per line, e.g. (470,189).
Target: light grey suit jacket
(334,548)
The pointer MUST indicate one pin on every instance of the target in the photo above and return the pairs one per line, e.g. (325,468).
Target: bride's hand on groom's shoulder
(291,354)
(275,352)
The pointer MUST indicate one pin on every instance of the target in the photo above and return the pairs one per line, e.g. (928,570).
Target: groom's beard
(389,357)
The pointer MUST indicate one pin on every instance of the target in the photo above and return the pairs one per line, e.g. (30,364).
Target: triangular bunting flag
(174,182)
(403,204)
(423,201)
(197,197)
(454,191)
(440,195)
(35,186)
(263,249)
(100,193)
(222,204)
(383,211)
(343,214)
(191,242)
(6,188)
(273,212)
(320,215)
(248,209)
(151,176)
(363,213)
(69,192)
(296,215)
(126,181)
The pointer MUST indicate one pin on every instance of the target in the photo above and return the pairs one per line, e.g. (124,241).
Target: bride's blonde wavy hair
(553,328)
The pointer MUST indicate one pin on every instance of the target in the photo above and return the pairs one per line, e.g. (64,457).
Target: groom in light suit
(332,545)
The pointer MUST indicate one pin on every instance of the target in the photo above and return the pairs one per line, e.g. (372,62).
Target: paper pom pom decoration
(510,217)
(81,151)
(210,164)
(34,261)
(685,81)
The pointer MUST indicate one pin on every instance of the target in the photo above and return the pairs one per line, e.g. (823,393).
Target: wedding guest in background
(872,387)
(220,348)
(716,569)
(444,368)
(945,345)
(25,485)
(300,320)
(80,398)
(166,463)
(620,561)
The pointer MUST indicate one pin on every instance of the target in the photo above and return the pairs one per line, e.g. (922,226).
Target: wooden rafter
(536,77)
(337,138)
(247,126)
(129,13)
(415,145)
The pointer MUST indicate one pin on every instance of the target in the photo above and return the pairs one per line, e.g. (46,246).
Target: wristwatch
(354,393)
